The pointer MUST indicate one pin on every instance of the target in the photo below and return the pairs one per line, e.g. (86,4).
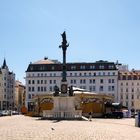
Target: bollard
(138,119)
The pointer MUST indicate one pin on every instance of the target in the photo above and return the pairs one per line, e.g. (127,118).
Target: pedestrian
(90,116)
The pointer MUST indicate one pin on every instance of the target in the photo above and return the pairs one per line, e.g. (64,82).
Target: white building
(129,88)
(7,86)
(43,75)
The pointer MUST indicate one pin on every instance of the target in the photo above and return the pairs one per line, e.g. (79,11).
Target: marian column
(64,46)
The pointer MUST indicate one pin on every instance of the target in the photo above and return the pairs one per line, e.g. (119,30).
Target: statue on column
(64,46)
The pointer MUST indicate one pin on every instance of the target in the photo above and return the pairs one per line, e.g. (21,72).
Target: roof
(54,65)
(46,61)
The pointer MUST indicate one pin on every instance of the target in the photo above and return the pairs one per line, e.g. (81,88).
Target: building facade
(129,88)
(43,75)
(19,95)
(7,86)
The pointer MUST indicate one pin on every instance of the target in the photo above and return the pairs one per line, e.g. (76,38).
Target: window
(109,88)
(33,89)
(33,82)
(121,84)
(126,96)
(101,67)
(132,97)
(109,80)
(132,90)
(113,88)
(54,81)
(70,74)
(126,84)
(52,67)
(38,82)
(80,74)
(45,89)
(113,73)
(29,88)
(126,89)
(41,81)
(50,81)
(42,89)
(92,67)
(73,67)
(50,88)
(84,81)
(90,88)
(132,103)
(113,81)
(45,81)
(29,96)
(4,96)
(101,88)
(121,90)
(38,88)
(111,66)
(82,67)
(126,103)
(90,81)
(93,88)
(101,81)
(29,82)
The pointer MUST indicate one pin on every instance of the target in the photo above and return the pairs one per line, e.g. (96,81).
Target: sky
(96,30)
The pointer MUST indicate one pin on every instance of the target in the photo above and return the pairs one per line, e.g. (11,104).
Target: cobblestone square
(21,127)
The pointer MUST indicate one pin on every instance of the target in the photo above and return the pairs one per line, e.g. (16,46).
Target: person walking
(90,116)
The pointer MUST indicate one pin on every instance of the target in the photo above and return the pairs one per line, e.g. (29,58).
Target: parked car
(115,114)
(15,113)
(5,113)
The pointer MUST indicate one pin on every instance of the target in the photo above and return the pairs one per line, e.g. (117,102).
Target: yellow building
(19,96)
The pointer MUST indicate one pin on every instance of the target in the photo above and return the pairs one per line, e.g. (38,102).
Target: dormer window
(92,67)
(101,66)
(73,67)
(111,66)
(82,67)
